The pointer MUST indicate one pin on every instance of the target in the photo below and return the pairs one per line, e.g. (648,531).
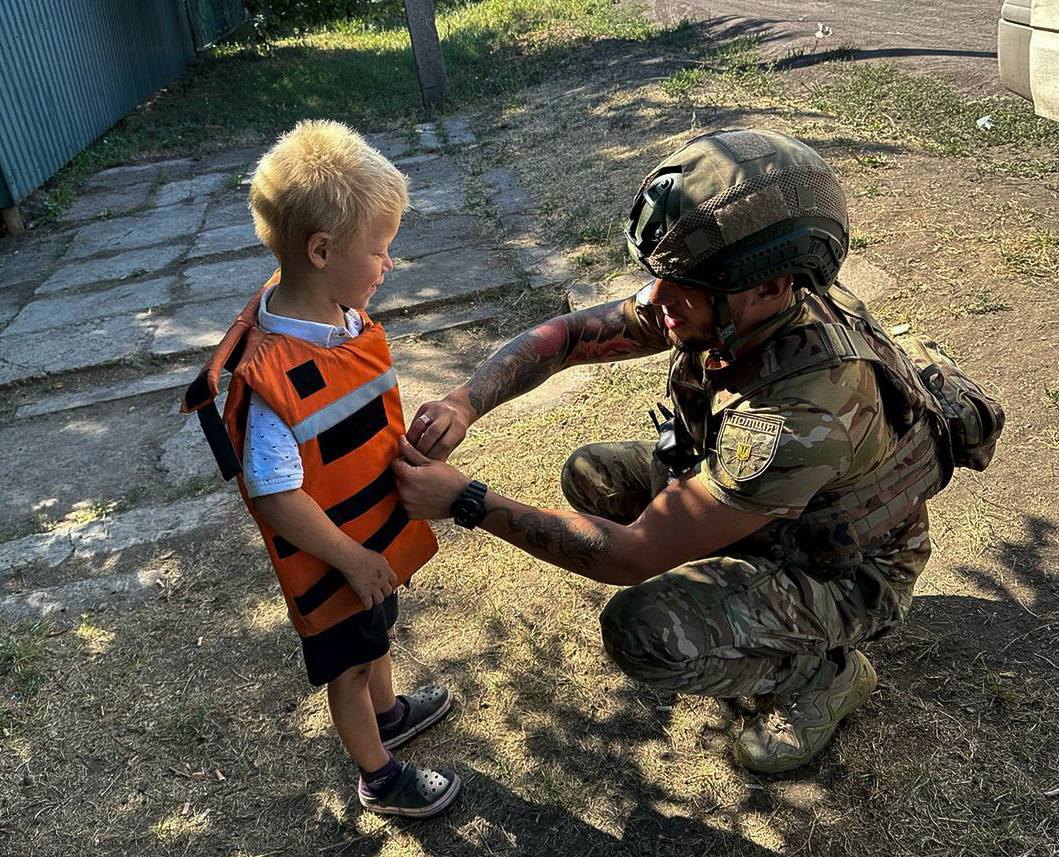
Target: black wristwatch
(468,509)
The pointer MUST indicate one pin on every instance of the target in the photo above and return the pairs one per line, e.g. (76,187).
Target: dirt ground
(953,38)
(186,726)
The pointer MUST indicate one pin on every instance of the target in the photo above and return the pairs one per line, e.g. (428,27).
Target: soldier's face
(687,314)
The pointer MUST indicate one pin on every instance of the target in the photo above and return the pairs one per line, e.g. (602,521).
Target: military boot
(799,727)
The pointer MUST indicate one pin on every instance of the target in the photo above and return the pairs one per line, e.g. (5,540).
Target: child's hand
(371,578)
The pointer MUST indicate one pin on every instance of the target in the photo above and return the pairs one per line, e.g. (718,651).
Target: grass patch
(358,70)
(1032,254)
(1051,397)
(880,100)
(22,673)
(734,66)
(985,302)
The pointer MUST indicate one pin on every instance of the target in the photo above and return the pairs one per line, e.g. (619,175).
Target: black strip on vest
(383,537)
(219,441)
(333,580)
(356,429)
(198,393)
(348,509)
(306,379)
(236,355)
(320,591)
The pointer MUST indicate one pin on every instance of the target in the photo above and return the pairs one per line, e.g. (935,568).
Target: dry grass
(186,727)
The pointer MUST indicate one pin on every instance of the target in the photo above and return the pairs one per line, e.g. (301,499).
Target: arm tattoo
(563,539)
(594,335)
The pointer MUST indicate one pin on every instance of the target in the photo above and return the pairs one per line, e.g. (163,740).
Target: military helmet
(737,207)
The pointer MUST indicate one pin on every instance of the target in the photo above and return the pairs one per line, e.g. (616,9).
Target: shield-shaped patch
(747,443)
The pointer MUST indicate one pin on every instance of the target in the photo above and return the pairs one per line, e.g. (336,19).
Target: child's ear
(316,248)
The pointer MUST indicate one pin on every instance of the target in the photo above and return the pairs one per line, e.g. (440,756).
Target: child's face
(357,268)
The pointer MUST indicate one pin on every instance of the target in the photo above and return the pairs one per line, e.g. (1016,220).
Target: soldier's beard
(692,343)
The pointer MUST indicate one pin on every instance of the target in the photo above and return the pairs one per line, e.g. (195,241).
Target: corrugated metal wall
(69,69)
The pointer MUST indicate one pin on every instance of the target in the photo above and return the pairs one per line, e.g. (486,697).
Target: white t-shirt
(271,462)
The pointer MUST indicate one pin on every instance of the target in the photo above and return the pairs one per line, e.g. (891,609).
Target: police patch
(747,443)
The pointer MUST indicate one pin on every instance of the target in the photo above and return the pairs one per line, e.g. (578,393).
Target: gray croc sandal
(416,793)
(426,706)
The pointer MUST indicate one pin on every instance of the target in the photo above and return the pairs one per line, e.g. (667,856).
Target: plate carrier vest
(840,526)
(344,408)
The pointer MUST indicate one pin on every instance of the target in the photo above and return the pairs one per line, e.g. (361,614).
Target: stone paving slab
(63,311)
(428,170)
(438,199)
(508,197)
(231,159)
(198,325)
(118,177)
(78,346)
(170,379)
(158,226)
(190,190)
(416,323)
(425,236)
(108,590)
(131,263)
(107,203)
(585,295)
(186,456)
(456,130)
(226,239)
(229,277)
(440,277)
(229,209)
(28,258)
(390,145)
(115,533)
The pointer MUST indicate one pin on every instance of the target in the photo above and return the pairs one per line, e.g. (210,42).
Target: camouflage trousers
(728,626)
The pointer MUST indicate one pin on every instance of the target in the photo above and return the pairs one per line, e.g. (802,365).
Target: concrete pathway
(104,320)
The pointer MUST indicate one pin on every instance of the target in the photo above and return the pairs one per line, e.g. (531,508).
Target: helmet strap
(732,343)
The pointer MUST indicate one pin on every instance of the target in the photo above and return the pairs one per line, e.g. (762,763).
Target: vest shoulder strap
(811,347)
(200,396)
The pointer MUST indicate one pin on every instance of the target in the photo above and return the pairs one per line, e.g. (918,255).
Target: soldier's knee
(577,474)
(634,638)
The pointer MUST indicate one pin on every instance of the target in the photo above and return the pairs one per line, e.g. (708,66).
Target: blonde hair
(322,176)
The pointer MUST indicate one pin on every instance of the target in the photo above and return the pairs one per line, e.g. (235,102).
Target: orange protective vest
(344,408)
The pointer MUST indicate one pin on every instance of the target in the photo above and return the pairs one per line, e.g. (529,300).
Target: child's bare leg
(349,701)
(380,685)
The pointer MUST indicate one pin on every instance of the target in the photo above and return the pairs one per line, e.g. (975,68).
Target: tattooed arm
(596,335)
(683,523)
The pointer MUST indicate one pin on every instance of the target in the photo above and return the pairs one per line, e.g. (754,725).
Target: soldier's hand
(371,578)
(439,427)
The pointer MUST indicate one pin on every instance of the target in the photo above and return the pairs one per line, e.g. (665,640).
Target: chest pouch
(675,448)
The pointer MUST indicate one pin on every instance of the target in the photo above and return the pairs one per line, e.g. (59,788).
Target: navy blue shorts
(360,639)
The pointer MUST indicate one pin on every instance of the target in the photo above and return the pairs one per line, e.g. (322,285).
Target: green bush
(299,15)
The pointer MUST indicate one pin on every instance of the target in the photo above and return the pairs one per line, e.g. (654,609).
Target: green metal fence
(69,69)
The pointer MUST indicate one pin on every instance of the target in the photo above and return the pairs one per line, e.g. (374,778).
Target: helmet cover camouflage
(735,208)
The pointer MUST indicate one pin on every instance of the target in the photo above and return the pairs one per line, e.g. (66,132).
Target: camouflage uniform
(772,614)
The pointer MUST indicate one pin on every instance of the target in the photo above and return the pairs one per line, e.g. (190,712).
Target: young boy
(314,409)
